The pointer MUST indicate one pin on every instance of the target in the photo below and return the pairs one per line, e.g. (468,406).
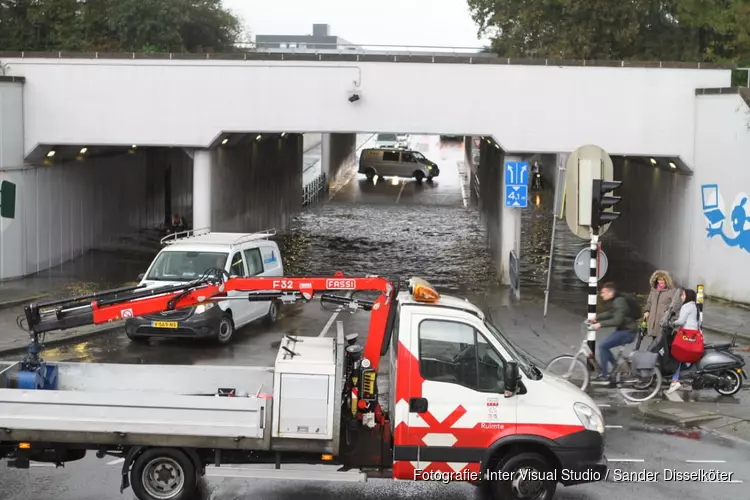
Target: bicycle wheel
(638,387)
(571,368)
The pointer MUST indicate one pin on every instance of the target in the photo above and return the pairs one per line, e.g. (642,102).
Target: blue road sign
(517,184)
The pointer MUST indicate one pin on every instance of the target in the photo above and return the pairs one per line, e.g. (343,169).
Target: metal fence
(314,192)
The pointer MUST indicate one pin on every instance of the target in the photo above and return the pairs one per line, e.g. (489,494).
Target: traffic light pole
(593,287)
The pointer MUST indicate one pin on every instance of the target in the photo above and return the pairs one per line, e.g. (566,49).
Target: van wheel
(429,179)
(272,315)
(527,471)
(419,176)
(161,473)
(370,174)
(226,329)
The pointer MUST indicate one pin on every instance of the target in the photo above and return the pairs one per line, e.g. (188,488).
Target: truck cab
(454,411)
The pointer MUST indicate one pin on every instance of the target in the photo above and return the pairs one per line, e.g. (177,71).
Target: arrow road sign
(516,184)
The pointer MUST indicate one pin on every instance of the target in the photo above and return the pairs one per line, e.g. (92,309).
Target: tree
(117,25)
(703,30)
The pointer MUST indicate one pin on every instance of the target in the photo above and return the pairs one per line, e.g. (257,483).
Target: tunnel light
(653,161)
(224,141)
(133,146)
(283,134)
(84,150)
(51,154)
(497,145)
(259,137)
(671,164)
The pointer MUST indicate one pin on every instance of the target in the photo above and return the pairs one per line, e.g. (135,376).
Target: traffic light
(601,202)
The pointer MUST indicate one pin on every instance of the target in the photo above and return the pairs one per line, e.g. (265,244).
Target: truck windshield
(528,368)
(185,266)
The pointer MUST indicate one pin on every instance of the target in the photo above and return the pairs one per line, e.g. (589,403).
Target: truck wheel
(163,474)
(527,471)
(226,329)
(272,315)
(370,174)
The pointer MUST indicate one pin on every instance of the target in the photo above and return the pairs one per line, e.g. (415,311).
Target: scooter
(536,182)
(719,368)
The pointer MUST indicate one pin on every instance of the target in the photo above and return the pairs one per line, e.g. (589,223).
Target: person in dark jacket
(619,317)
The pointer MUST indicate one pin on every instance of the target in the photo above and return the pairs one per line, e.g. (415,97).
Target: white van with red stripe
(454,418)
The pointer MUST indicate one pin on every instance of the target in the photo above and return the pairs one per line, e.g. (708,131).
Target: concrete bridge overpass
(232,123)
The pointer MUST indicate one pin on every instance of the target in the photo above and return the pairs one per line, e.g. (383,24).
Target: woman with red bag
(688,341)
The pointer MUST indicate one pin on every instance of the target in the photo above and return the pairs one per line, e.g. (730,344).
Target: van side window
(237,269)
(391,156)
(456,353)
(408,157)
(254,261)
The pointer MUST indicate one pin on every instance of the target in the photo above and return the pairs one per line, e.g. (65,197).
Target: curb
(77,337)
(21,300)
(691,421)
(726,333)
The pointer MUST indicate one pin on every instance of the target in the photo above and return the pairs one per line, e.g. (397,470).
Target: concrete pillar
(202,176)
(510,227)
(325,155)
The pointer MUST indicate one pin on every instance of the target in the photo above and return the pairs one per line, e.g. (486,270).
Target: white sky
(444,23)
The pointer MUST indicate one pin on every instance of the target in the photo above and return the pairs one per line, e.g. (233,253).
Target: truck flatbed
(179,405)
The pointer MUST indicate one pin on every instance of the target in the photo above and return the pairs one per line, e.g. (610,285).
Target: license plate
(164,324)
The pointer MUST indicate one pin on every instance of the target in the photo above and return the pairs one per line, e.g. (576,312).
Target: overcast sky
(445,23)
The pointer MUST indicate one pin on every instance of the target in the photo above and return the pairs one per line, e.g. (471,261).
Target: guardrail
(315,191)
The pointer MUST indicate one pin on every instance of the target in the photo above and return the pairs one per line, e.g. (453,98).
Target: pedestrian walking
(661,296)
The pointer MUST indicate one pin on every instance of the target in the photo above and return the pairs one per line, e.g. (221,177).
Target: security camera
(354,97)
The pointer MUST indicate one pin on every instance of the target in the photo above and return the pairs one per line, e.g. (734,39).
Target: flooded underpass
(396,229)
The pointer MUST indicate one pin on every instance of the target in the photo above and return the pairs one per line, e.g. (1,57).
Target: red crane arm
(142,302)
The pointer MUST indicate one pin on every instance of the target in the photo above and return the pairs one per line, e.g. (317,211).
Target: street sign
(583,166)
(477,141)
(582,264)
(517,184)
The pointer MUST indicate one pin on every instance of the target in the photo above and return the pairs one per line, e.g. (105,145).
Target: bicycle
(637,371)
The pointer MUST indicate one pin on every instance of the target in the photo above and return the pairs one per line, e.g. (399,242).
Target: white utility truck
(458,400)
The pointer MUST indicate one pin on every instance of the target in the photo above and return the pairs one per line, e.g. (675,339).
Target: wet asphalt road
(394,229)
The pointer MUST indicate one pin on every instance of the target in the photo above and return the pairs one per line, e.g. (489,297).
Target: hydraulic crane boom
(129,302)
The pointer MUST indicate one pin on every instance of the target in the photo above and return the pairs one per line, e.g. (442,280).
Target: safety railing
(349,48)
(315,191)
(190,233)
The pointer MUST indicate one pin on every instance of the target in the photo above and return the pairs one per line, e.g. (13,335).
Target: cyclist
(626,327)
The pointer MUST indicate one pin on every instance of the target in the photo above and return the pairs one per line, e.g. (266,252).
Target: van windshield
(185,266)
(387,137)
(419,156)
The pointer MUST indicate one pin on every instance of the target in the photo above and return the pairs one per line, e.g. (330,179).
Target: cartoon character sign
(735,233)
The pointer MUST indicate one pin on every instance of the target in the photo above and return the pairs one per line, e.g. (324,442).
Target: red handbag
(687,346)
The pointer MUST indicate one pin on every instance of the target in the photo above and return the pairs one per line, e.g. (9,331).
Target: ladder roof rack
(206,237)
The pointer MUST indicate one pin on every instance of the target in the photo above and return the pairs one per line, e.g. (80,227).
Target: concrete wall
(257,185)
(663,219)
(63,210)
(311,140)
(580,105)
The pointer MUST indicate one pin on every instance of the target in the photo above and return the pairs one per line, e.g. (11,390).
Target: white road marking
(706,461)
(613,427)
(603,405)
(461,183)
(403,185)
(333,317)
(41,464)
(115,462)
(626,460)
